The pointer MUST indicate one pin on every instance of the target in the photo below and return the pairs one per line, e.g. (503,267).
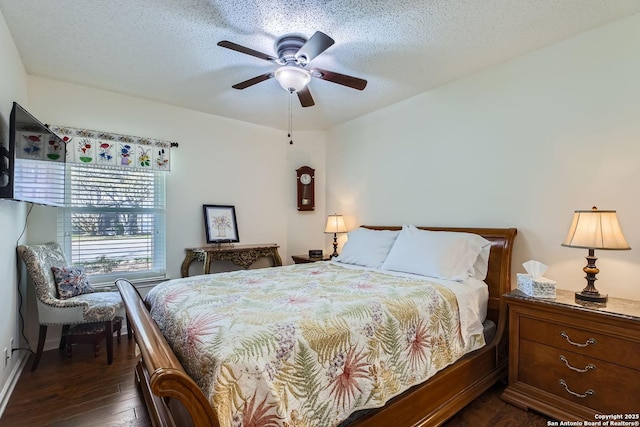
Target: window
(113,222)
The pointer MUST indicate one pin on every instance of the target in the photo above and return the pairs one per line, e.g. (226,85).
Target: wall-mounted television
(32,167)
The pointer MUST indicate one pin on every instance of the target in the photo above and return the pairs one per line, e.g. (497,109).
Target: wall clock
(306,193)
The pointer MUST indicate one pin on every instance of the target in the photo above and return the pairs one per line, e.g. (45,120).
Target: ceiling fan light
(291,78)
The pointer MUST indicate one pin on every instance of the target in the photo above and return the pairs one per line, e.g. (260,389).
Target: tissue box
(540,287)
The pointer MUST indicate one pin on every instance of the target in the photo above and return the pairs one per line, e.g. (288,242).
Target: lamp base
(590,294)
(335,246)
(597,298)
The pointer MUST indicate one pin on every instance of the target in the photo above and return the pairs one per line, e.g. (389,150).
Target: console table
(240,255)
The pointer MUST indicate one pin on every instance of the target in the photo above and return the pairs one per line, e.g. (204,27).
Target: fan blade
(341,79)
(245,84)
(243,49)
(304,95)
(318,43)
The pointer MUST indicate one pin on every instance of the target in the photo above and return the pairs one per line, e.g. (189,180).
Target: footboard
(171,396)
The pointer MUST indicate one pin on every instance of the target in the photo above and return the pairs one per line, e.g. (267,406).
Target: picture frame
(220,223)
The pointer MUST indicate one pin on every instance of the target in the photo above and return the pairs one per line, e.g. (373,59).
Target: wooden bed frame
(174,399)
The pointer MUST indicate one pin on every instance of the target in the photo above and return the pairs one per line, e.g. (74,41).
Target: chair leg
(63,343)
(129,333)
(41,338)
(108,329)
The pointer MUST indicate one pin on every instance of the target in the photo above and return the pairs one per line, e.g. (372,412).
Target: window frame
(158,211)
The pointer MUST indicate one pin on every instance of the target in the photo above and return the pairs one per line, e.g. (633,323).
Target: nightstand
(304,259)
(570,361)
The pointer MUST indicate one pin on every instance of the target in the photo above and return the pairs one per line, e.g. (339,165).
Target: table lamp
(335,225)
(594,229)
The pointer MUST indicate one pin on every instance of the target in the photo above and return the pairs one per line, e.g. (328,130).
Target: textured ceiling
(165,50)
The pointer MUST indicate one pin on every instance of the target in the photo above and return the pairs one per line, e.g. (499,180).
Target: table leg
(188,259)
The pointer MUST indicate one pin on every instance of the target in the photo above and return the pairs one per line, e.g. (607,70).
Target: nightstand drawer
(588,343)
(594,383)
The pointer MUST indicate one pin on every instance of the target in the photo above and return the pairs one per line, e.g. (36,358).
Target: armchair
(96,307)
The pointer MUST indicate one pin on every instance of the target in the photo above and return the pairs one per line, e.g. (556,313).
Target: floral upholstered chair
(57,305)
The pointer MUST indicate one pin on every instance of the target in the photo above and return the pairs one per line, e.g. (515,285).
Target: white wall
(522,144)
(13,87)
(219,161)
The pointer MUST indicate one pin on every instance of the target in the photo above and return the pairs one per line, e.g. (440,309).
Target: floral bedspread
(307,344)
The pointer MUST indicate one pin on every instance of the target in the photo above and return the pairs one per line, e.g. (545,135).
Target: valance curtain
(89,147)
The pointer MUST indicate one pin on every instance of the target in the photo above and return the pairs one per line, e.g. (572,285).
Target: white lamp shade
(292,78)
(335,224)
(596,229)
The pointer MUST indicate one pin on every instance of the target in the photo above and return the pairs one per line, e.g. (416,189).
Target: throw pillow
(71,281)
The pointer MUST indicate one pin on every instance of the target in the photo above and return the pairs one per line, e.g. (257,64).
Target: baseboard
(11,382)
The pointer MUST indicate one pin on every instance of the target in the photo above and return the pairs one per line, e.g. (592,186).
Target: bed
(173,397)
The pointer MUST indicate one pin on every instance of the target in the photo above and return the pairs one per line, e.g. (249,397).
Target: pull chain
(290,134)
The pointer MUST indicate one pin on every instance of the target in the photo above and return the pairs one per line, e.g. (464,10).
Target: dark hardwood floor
(489,410)
(84,391)
(79,391)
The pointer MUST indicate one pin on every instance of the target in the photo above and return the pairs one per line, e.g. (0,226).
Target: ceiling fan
(294,54)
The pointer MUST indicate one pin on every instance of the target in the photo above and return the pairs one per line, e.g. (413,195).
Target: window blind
(113,222)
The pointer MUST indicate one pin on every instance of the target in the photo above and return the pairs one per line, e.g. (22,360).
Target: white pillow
(367,248)
(481,266)
(440,254)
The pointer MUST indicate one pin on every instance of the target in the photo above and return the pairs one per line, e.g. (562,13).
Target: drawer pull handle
(589,367)
(589,342)
(587,393)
